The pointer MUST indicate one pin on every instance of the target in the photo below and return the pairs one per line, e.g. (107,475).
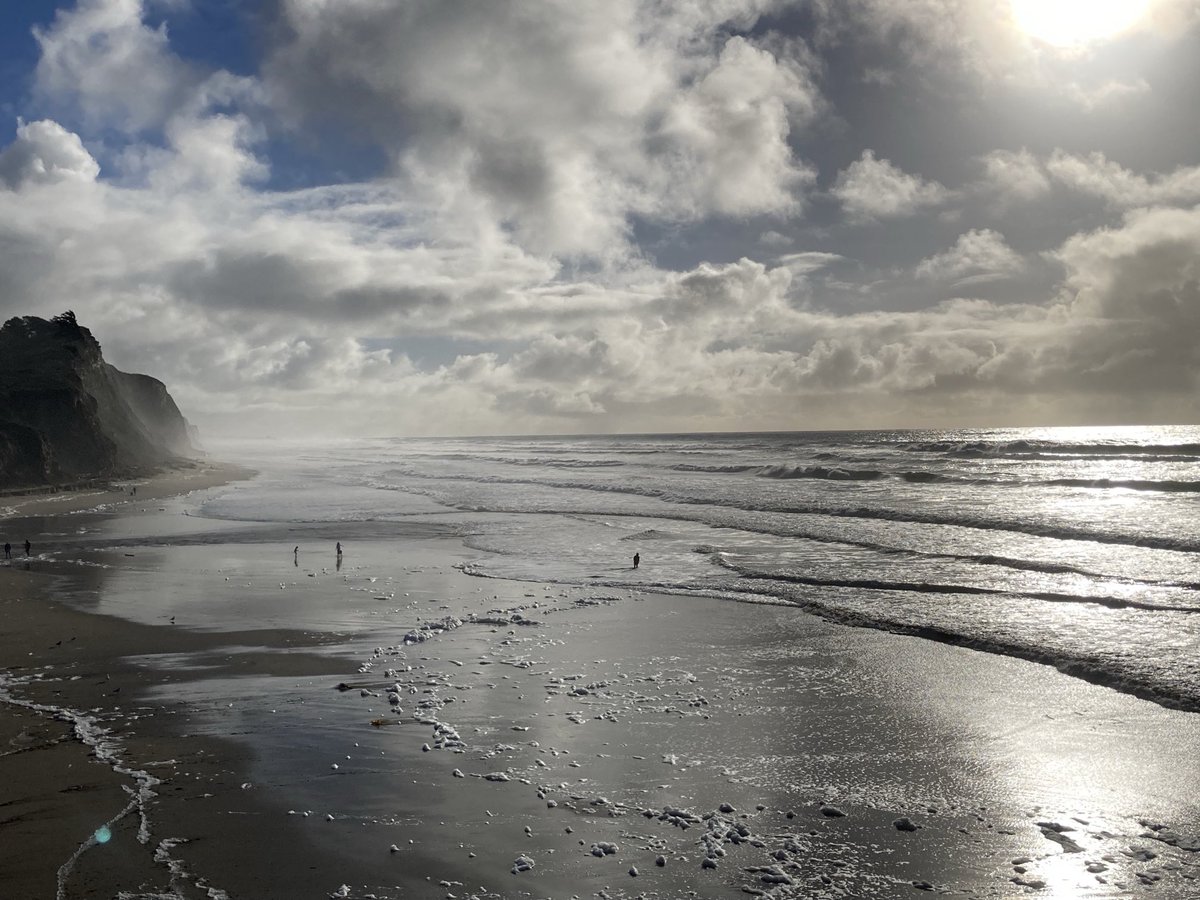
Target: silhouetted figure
(637,560)
(339,548)
(296,555)
(7,550)
(27,546)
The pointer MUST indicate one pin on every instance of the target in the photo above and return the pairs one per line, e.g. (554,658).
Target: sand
(122,493)
(499,739)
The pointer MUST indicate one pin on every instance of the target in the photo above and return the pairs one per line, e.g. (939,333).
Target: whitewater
(1073,547)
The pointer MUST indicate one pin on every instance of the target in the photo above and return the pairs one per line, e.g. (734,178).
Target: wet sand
(127,492)
(57,788)
(544,741)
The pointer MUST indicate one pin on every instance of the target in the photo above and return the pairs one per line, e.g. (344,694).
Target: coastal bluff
(67,416)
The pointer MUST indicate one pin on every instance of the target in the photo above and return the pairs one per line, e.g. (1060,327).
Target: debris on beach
(1053,831)
(522,864)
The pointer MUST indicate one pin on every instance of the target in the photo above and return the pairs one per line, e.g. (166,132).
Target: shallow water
(1075,547)
(690,703)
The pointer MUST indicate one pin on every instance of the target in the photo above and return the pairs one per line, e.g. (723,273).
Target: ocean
(1076,547)
(823,679)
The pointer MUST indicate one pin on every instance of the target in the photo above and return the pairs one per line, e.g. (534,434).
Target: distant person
(339,548)
(296,555)
(7,550)
(27,546)
(637,560)
(133,490)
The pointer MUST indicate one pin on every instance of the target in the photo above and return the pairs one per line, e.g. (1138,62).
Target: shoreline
(578,710)
(60,782)
(171,481)
(78,759)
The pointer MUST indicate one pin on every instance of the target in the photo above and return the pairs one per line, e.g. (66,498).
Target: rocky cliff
(67,416)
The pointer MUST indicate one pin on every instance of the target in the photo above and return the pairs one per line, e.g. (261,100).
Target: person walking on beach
(27,546)
(296,555)
(637,560)
(339,548)
(7,550)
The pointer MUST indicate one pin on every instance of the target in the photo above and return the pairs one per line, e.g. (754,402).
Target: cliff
(67,416)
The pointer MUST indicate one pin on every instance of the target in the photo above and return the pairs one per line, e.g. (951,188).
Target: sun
(1074,23)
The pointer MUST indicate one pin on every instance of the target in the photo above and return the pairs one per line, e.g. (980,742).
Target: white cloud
(44,153)
(1148,268)
(1112,91)
(521,140)
(1099,176)
(809,262)
(100,60)
(267,302)
(563,123)
(1014,175)
(982,41)
(871,189)
(773,238)
(728,137)
(979,254)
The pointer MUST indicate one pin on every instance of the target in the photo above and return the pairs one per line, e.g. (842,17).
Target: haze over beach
(642,450)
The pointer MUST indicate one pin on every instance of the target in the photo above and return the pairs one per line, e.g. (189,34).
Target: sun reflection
(1066,878)
(1074,23)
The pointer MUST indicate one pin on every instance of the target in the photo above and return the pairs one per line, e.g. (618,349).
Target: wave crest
(825,472)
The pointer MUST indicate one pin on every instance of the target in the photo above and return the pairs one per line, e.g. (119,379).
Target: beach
(203,705)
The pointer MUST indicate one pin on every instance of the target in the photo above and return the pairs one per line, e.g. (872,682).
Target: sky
(347,218)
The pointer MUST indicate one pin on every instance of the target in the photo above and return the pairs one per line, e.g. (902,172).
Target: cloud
(1099,176)
(1020,176)
(1014,175)
(1143,269)
(267,303)
(811,261)
(979,254)
(726,140)
(1105,93)
(1129,314)
(45,153)
(773,238)
(490,278)
(105,70)
(101,63)
(562,124)
(981,43)
(973,37)
(871,189)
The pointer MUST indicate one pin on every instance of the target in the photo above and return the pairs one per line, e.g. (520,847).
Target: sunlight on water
(975,772)
(1071,545)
